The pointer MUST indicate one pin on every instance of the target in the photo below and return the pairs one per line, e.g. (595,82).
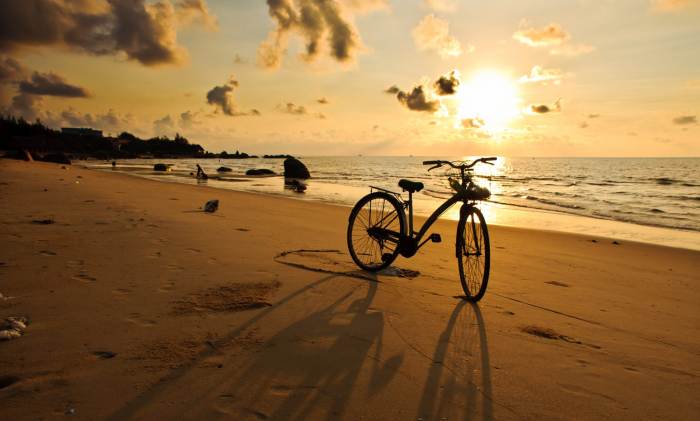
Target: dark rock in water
(293,168)
(211,206)
(261,171)
(224,169)
(161,167)
(57,158)
(295,185)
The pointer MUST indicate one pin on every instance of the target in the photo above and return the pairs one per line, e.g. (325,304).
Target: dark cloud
(316,21)
(416,100)
(322,101)
(25,106)
(685,119)
(143,31)
(222,98)
(447,85)
(392,90)
(291,108)
(472,123)
(544,109)
(11,70)
(51,84)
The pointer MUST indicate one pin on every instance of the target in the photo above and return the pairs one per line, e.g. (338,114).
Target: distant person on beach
(114,164)
(201,175)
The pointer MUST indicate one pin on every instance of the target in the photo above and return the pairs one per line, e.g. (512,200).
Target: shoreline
(143,306)
(497,213)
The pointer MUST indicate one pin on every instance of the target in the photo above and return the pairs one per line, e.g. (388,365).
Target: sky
(371,77)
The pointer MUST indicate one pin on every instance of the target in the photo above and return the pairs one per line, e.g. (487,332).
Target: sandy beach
(141,306)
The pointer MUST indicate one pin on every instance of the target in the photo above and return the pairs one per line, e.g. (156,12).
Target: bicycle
(378,231)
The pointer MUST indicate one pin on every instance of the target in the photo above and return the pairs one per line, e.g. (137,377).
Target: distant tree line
(16,134)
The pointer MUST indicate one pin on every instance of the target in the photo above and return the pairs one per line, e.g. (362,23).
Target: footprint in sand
(47,253)
(155,255)
(167,286)
(139,320)
(242,229)
(557,284)
(175,268)
(85,277)
(121,293)
(193,250)
(75,263)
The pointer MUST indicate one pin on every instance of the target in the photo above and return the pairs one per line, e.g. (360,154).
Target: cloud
(163,125)
(672,6)
(143,31)
(366,5)
(392,90)
(291,108)
(571,50)
(190,11)
(51,84)
(544,109)
(187,119)
(472,123)
(11,70)
(552,34)
(685,119)
(433,34)
(221,97)
(322,101)
(416,100)
(110,120)
(540,74)
(442,5)
(317,22)
(447,84)
(593,115)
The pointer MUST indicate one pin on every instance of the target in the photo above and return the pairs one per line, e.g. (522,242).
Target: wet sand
(141,306)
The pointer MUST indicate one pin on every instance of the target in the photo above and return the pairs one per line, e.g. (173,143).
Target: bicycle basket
(472,192)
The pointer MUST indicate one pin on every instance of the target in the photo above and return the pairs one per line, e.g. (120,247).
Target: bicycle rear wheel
(473,253)
(377,224)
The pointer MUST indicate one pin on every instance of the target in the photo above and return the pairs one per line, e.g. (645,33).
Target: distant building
(81,131)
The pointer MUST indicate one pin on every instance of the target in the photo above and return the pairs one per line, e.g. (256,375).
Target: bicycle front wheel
(473,253)
(377,224)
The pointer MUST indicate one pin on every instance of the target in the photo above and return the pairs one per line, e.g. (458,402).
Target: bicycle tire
(473,253)
(376,210)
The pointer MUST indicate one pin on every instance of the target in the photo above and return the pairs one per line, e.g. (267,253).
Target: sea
(654,200)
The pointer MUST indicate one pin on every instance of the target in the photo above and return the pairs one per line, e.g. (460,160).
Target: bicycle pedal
(435,238)
(386,257)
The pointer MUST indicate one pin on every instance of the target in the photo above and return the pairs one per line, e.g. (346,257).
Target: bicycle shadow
(458,385)
(309,369)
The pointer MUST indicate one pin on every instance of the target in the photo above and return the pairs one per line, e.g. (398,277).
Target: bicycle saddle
(410,186)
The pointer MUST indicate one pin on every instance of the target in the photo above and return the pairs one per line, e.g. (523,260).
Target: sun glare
(489,100)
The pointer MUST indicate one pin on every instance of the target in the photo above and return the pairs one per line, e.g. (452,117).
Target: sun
(489,101)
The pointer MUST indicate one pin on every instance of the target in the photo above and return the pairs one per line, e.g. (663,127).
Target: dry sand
(143,307)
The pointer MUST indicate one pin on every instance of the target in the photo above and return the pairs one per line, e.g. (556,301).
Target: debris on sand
(13,327)
(211,206)
(43,221)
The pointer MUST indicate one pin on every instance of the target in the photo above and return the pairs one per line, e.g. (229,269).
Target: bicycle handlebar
(461,165)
